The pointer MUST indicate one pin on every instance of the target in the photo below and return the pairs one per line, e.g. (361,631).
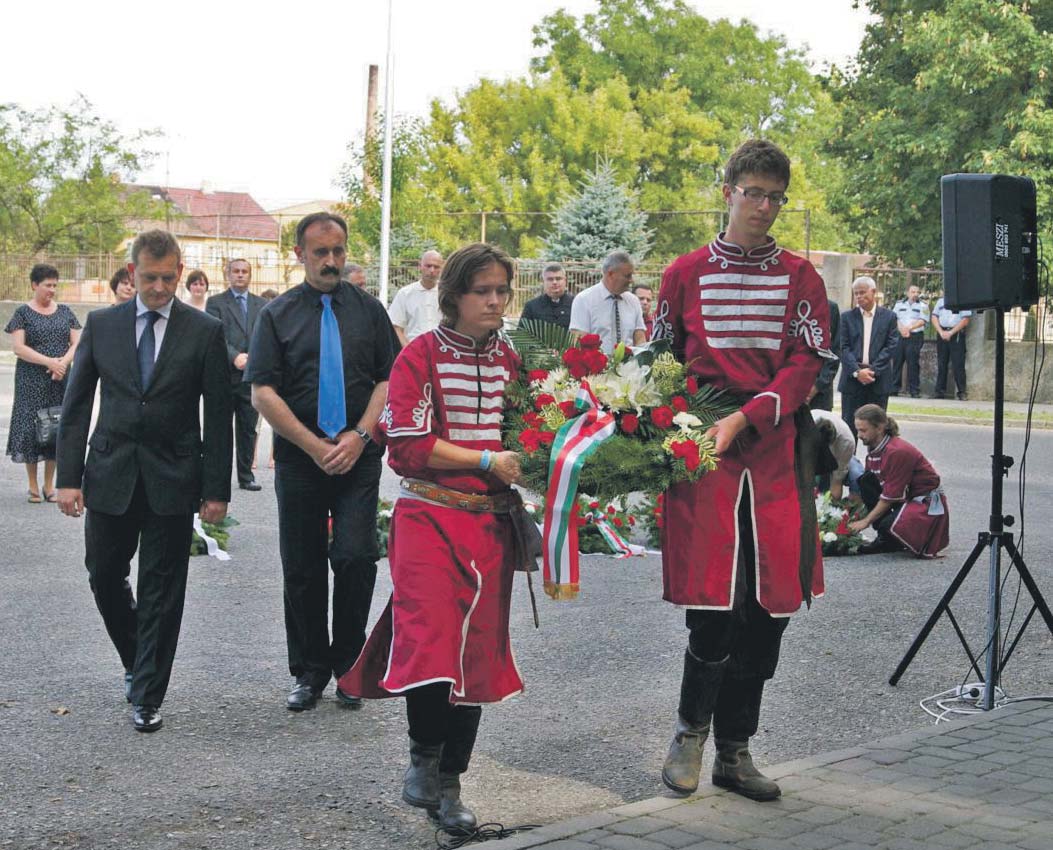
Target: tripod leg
(1029,582)
(978,549)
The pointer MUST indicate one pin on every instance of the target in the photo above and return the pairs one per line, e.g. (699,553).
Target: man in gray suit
(237,309)
(150,467)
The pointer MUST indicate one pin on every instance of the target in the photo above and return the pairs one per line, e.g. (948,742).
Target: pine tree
(601,218)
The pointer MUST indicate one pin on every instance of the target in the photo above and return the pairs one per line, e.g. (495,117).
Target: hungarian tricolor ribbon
(574,442)
(620,547)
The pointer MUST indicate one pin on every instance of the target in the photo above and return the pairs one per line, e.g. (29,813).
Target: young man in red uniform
(906,505)
(741,549)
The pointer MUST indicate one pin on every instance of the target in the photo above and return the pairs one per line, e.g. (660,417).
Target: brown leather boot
(698,695)
(733,769)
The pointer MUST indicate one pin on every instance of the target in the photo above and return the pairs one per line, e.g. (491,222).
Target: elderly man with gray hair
(869,337)
(608,308)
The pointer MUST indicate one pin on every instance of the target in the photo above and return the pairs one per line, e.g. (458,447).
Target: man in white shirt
(415,308)
(608,308)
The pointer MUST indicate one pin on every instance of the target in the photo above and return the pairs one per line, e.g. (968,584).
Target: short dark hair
(233,260)
(758,156)
(315,218)
(269,294)
(119,277)
(194,277)
(553,267)
(461,268)
(875,415)
(41,272)
(637,287)
(157,243)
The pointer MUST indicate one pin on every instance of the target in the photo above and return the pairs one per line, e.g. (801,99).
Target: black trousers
(145,632)
(307,498)
(908,351)
(855,395)
(245,419)
(950,351)
(747,633)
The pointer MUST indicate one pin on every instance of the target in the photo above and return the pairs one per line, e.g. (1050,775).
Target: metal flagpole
(385,192)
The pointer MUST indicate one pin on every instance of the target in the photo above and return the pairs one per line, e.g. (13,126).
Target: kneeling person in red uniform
(740,546)
(901,490)
(442,641)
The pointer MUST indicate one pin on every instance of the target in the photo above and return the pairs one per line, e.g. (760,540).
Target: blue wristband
(486,461)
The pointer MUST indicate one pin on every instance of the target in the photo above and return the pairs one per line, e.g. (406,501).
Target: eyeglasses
(757,196)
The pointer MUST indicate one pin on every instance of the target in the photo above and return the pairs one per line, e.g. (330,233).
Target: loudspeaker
(990,256)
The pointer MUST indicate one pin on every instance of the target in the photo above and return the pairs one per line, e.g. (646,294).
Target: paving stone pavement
(984,781)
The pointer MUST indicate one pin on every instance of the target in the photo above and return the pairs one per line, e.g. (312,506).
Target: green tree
(62,180)
(941,86)
(600,218)
(409,210)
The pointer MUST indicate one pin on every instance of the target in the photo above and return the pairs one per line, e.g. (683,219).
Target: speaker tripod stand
(992,543)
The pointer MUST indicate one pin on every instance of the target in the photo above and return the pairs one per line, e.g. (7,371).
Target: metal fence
(85,279)
(1021,325)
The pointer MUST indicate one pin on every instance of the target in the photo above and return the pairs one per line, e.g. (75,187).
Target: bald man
(415,308)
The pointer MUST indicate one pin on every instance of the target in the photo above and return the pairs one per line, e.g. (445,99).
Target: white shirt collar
(141,308)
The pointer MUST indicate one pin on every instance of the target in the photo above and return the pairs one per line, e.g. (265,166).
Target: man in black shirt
(553,305)
(319,364)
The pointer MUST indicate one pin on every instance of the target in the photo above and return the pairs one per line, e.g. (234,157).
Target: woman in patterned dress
(443,642)
(44,337)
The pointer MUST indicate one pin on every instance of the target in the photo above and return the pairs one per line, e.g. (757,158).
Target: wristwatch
(367,438)
(855,374)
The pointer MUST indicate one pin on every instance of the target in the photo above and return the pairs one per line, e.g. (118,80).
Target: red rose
(530,440)
(595,361)
(594,505)
(692,384)
(842,527)
(632,521)
(532,419)
(546,437)
(574,360)
(569,409)
(618,522)
(679,403)
(610,509)
(629,423)
(590,341)
(537,375)
(580,521)
(544,399)
(662,416)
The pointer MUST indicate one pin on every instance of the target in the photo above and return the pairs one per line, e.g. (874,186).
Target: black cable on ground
(454,838)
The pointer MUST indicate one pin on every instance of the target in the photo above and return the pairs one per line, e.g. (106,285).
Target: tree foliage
(653,88)
(409,211)
(600,218)
(62,177)
(941,86)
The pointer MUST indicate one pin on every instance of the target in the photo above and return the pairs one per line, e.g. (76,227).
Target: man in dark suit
(868,345)
(149,468)
(237,309)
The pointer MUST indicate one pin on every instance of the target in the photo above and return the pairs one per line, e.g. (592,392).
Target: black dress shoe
(146,718)
(302,697)
(128,685)
(354,703)
(250,485)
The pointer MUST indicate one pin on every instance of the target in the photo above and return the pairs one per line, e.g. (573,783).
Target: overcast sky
(265,98)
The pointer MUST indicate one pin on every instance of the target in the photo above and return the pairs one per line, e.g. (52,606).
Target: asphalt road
(233,769)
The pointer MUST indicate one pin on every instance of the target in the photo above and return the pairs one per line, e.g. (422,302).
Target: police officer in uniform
(912,315)
(950,346)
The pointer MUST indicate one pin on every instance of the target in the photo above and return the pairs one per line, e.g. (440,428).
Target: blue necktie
(332,409)
(147,344)
(243,302)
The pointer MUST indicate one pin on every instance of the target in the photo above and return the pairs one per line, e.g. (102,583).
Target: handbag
(47,425)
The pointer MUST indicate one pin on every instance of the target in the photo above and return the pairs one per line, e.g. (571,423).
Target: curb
(567,829)
(1036,424)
